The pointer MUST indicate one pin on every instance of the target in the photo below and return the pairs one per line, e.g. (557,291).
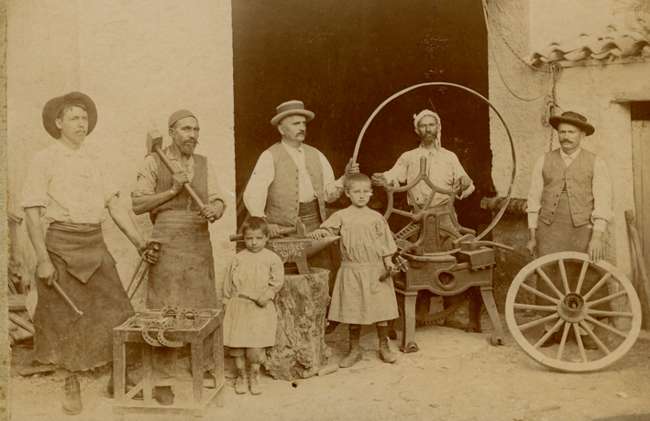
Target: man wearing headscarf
(184,276)
(445,171)
(443,167)
(67,188)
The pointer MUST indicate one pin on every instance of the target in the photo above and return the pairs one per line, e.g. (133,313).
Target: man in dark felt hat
(66,188)
(184,275)
(570,200)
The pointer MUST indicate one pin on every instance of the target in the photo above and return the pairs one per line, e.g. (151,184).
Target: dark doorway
(343,58)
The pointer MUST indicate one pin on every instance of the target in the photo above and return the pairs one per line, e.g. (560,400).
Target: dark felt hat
(574,119)
(54,106)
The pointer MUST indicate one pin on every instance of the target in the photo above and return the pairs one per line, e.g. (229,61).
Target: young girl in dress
(362,295)
(255,276)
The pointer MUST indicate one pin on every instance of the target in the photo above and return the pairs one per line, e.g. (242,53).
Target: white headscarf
(419,116)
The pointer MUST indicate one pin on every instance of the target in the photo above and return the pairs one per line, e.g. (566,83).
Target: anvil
(295,249)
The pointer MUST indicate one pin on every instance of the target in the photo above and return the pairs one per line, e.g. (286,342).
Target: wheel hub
(572,308)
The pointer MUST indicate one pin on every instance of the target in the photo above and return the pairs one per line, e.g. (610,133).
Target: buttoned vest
(282,200)
(576,179)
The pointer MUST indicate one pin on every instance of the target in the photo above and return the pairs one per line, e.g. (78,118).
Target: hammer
(154,144)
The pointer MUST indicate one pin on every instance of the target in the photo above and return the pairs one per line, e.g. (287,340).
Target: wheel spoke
(606,326)
(538,322)
(522,306)
(565,281)
(606,313)
(581,346)
(605,299)
(548,281)
(548,333)
(540,294)
(565,333)
(600,344)
(581,278)
(596,287)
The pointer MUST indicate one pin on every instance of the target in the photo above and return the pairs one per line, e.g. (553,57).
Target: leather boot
(72,396)
(240,382)
(385,353)
(355,354)
(254,379)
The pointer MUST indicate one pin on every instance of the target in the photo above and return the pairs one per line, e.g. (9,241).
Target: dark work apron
(86,272)
(184,274)
(562,235)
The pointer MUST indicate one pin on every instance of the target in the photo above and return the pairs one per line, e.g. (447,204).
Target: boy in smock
(255,276)
(362,294)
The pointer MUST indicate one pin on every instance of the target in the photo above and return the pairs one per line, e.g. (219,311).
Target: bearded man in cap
(445,171)
(184,276)
(569,201)
(292,181)
(66,187)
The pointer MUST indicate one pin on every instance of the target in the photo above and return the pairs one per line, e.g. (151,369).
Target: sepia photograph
(325,210)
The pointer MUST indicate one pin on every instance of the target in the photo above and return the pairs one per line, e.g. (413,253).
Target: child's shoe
(355,354)
(254,380)
(385,353)
(240,382)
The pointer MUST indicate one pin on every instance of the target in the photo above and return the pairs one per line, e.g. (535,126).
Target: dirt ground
(454,376)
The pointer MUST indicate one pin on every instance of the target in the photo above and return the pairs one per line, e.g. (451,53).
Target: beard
(429,139)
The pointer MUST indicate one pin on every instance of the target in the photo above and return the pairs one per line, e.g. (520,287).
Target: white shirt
(70,184)
(257,189)
(601,189)
(443,169)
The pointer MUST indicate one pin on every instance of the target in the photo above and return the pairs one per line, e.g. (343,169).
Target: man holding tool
(80,295)
(179,189)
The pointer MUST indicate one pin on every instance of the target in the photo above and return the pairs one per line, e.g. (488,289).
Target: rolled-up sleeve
(398,173)
(602,191)
(214,188)
(332,187)
(34,192)
(147,177)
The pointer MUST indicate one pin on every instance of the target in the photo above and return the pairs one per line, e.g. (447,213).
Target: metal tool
(66,298)
(141,270)
(154,145)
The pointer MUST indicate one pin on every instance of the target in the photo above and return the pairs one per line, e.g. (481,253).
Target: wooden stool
(206,326)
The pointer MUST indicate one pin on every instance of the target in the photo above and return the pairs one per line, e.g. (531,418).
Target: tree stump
(300,348)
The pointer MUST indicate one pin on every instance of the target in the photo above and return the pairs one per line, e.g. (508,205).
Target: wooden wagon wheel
(571,312)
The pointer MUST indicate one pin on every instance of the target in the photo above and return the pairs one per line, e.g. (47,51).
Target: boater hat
(54,106)
(574,119)
(288,108)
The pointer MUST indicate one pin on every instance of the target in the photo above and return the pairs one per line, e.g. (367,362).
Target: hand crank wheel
(585,303)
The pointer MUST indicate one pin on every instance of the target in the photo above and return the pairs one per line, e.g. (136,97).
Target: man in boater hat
(570,200)
(66,188)
(184,276)
(291,180)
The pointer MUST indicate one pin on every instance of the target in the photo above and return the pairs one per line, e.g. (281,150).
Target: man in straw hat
(445,171)
(66,188)
(184,276)
(292,181)
(569,201)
